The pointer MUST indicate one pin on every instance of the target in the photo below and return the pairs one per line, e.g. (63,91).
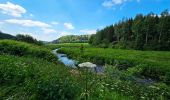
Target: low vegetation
(128,63)
(24,49)
(30,72)
(28,39)
(154,64)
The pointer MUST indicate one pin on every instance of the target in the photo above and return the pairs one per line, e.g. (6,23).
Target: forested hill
(72,39)
(144,32)
(6,36)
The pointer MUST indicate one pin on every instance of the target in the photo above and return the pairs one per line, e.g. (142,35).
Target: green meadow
(30,72)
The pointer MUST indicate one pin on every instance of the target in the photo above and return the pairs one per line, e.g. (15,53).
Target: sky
(48,20)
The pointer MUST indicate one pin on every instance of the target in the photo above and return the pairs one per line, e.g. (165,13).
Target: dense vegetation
(24,49)
(6,36)
(153,63)
(72,39)
(149,32)
(32,72)
(121,66)
(21,37)
(29,71)
(28,39)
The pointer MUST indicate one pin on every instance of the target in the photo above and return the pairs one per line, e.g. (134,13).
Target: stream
(73,63)
(63,58)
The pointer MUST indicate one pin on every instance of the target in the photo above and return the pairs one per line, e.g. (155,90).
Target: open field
(31,72)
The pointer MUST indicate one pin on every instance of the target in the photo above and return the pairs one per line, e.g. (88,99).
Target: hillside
(72,39)
(6,36)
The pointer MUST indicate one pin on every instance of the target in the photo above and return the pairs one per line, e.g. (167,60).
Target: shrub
(24,49)
(28,39)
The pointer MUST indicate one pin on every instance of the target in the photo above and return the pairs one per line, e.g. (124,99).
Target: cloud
(1,22)
(87,31)
(12,9)
(48,30)
(27,23)
(64,33)
(118,2)
(54,23)
(107,4)
(112,3)
(68,26)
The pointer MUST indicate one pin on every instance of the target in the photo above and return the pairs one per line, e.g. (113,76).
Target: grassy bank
(154,64)
(31,72)
(16,48)
(126,64)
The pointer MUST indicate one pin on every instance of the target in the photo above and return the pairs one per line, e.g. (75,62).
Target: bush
(36,79)
(28,39)
(24,49)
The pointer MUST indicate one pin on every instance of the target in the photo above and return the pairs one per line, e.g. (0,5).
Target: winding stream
(72,63)
(63,58)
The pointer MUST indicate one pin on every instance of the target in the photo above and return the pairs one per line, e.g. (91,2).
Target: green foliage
(24,49)
(72,39)
(154,64)
(148,32)
(32,78)
(28,39)
(36,78)
(76,45)
(6,36)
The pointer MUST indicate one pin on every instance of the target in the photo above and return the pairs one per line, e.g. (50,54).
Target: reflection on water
(99,69)
(72,63)
(64,59)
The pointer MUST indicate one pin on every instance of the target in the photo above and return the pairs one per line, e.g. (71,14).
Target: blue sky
(51,19)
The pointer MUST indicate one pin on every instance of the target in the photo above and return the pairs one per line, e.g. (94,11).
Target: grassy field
(31,72)
(154,64)
(126,63)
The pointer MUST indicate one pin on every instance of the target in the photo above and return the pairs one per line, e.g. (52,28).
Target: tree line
(72,39)
(144,32)
(20,37)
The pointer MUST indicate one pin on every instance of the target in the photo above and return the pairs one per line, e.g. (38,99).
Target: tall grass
(36,79)
(76,45)
(24,49)
(28,72)
(154,64)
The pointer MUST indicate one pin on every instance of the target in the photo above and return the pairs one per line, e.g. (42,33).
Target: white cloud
(107,4)
(48,30)
(1,23)
(118,1)
(64,33)
(87,31)
(12,9)
(54,23)
(27,23)
(68,26)
(112,3)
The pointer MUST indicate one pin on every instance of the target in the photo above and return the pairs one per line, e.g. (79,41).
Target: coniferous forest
(144,32)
